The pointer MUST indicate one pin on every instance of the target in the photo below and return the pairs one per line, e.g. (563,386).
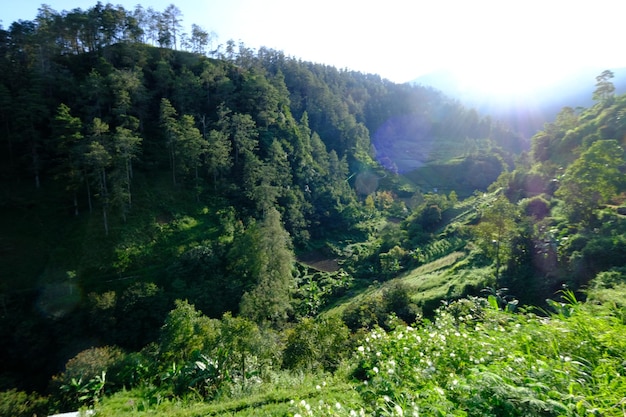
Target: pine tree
(269,301)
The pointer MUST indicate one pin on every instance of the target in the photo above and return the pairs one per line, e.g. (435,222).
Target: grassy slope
(273,399)
(447,273)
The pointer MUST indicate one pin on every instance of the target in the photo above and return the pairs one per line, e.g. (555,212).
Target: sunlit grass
(271,398)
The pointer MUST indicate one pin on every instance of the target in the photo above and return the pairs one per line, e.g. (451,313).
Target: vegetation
(189,231)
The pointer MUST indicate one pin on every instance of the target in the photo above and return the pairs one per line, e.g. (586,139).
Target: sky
(495,44)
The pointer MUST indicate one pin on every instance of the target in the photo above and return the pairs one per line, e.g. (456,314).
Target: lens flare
(403,143)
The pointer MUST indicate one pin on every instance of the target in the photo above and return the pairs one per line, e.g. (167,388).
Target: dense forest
(189,230)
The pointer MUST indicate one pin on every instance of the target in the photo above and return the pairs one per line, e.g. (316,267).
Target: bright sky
(520,43)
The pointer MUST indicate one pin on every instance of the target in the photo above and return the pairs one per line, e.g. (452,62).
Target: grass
(435,265)
(428,284)
(273,398)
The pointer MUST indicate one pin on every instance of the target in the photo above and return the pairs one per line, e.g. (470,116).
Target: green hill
(186,235)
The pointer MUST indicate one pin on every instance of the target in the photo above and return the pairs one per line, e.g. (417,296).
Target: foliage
(21,404)
(382,308)
(316,344)
(269,300)
(496,230)
(473,360)
(591,180)
(315,289)
(141,175)
(84,379)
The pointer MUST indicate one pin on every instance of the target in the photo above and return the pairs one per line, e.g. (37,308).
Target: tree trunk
(129,176)
(173,163)
(35,157)
(75,204)
(89,194)
(105,219)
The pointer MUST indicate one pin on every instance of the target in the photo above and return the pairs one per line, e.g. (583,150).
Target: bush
(380,309)
(91,362)
(537,207)
(16,403)
(477,361)
(366,314)
(397,300)
(314,344)
(84,378)
(609,279)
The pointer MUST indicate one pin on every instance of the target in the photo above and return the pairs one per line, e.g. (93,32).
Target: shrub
(381,308)
(397,300)
(84,378)
(537,207)
(366,314)
(314,344)
(16,403)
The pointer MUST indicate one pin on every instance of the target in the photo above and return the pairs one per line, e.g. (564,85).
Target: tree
(29,113)
(269,301)
(186,332)
(604,87)
(242,345)
(592,179)
(199,40)
(496,230)
(140,313)
(128,96)
(218,156)
(67,131)
(243,134)
(170,128)
(191,147)
(170,26)
(127,146)
(98,159)
(94,94)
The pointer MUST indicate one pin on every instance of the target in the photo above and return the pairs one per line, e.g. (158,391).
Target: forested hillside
(181,225)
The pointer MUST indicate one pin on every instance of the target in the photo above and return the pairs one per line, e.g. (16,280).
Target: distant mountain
(525,113)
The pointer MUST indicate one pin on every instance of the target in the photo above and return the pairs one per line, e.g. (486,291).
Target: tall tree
(604,87)
(269,301)
(127,146)
(30,112)
(199,40)
(191,148)
(171,27)
(67,131)
(218,157)
(98,159)
(258,182)
(496,230)
(128,95)
(244,134)
(169,125)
